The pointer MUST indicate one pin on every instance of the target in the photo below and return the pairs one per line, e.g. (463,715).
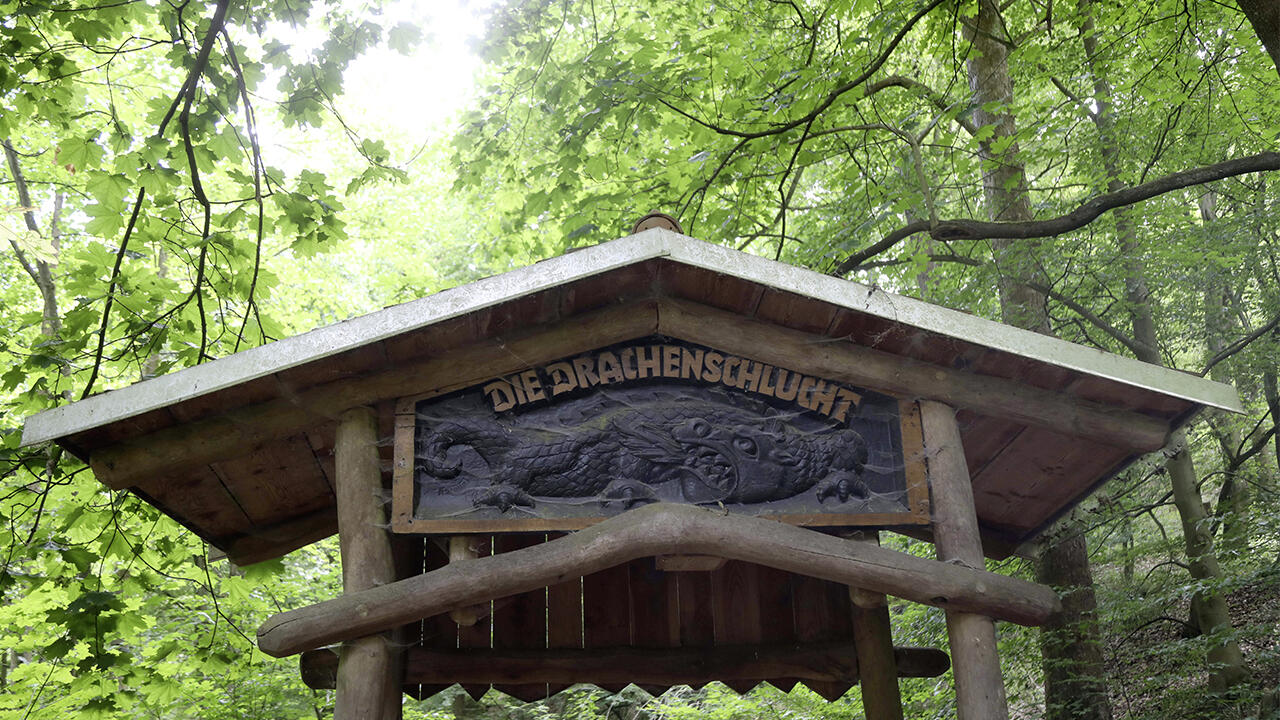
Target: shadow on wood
(658,529)
(832,662)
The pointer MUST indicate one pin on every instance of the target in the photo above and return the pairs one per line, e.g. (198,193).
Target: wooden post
(464,547)
(979,684)
(368,684)
(873,641)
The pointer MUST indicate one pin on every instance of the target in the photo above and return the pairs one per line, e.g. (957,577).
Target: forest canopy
(1101,171)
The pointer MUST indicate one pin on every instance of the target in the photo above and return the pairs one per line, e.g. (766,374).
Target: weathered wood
(606,610)
(658,529)
(812,662)
(522,623)
(735,602)
(273,541)
(466,547)
(889,373)
(873,638)
(368,686)
(655,610)
(564,616)
(688,563)
(979,684)
(237,430)
(820,612)
(480,634)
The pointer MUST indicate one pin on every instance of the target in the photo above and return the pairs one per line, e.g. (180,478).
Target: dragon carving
(662,447)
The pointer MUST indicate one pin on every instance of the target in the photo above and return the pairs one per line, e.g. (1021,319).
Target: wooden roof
(240,449)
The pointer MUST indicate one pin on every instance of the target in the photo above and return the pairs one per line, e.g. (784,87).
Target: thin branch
(962,229)
(188,86)
(831,97)
(1239,345)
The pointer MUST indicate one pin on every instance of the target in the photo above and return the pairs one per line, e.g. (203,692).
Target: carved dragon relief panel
(564,445)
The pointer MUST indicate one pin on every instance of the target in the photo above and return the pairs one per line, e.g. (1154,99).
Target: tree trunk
(1073,683)
(1072,661)
(1208,607)
(1264,16)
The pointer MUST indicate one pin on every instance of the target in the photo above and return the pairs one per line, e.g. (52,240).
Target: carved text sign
(563,445)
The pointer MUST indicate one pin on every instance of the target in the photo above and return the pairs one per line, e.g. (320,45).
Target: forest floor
(1156,663)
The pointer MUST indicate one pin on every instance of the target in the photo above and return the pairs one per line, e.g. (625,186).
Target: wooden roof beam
(836,359)
(239,430)
(658,529)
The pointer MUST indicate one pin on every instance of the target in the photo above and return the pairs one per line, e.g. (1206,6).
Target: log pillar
(873,642)
(979,684)
(369,669)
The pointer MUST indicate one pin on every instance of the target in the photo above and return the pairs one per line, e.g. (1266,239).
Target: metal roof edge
(322,342)
(955,324)
(655,243)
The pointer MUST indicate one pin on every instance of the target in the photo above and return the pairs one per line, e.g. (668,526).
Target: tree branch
(828,101)
(1239,345)
(188,86)
(962,229)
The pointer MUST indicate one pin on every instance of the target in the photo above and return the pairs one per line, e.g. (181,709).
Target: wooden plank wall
(638,605)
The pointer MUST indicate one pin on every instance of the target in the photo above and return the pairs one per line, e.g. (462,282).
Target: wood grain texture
(521,624)
(368,685)
(242,429)
(882,371)
(658,529)
(980,691)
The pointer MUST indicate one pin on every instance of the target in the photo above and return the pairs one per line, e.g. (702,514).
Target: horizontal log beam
(827,662)
(239,430)
(659,529)
(878,370)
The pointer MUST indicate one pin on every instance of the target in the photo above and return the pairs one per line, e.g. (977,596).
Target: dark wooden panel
(984,438)
(521,623)
(564,616)
(655,609)
(199,500)
(697,615)
(432,341)
(275,479)
(438,631)
(361,360)
(795,311)
(245,393)
(520,314)
(710,288)
(479,634)
(776,625)
(821,611)
(606,611)
(625,284)
(1036,475)
(735,595)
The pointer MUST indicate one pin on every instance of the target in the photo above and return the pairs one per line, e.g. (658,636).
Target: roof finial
(659,220)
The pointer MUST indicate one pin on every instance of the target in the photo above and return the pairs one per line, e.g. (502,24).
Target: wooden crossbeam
(878,370)
(658,529)
(828,662)
(232,432)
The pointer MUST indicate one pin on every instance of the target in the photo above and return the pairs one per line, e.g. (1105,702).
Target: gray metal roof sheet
(651,244)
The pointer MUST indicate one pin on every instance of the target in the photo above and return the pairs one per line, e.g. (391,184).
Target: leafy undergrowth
(1156,659)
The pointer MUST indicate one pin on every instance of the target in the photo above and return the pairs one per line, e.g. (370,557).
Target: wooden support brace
(827,662)
(979,684)
(370,666)
(658,529)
